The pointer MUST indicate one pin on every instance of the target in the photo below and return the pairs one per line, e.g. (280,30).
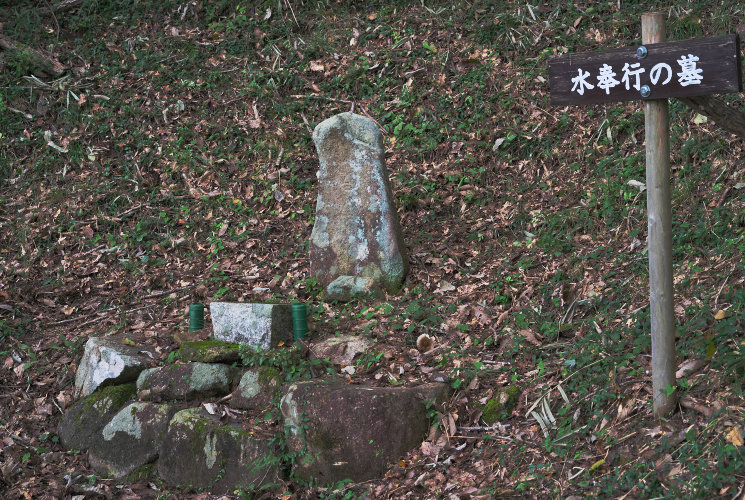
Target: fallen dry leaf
(734,436)
(530,336)
(481,315)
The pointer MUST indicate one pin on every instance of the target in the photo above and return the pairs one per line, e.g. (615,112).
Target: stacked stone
(155,419)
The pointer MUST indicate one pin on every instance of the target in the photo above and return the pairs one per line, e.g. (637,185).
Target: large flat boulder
(184,381)
(357,234)
(82,422)
(355,432)
(107,361)
(131,439)
(201,452)
(258,325)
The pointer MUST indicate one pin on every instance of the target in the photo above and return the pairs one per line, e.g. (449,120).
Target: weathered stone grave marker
(652,73)
(356,244)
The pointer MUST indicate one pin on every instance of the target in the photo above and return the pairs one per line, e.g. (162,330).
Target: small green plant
(289,361)
(369,359)
(20,62)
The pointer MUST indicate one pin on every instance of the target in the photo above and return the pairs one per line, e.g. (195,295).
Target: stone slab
(357,232)
(259,325)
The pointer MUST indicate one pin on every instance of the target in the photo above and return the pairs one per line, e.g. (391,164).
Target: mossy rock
(84,420)
(257,388)
(339,431)
(184,381)
(209,351)
(501,405)
(202,452)
(131,439)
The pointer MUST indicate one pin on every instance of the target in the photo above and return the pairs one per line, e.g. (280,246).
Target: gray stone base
(258,325)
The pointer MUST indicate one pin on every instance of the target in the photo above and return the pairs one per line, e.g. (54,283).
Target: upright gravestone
(356,244)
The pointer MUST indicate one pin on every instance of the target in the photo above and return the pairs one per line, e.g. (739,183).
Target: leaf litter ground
(182,169)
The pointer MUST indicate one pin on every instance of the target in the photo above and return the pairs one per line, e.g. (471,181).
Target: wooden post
(657,136)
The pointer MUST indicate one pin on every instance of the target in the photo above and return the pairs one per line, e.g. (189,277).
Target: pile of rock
(136,419)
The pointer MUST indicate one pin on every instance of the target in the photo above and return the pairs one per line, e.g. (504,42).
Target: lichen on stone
(501,405)
(249,384)
(142,379)
(290,411)
(203,376)
(320,236)
(210,453)
(125,421)
(187,416)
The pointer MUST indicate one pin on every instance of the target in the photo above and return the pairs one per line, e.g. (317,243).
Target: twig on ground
(434,350)
(77,318)
(66,5)
(92,250)
(23,113)
(164,292)
(60,409)
(716,299)
(321,97)
(287,2)
(382,129)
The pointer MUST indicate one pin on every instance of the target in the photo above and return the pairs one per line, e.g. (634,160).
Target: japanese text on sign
(689,75)
(656,71)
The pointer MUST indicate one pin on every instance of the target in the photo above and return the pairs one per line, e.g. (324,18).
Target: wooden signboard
(671,69)
(653,72)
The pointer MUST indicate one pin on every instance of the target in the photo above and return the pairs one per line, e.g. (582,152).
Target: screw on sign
(652,73)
